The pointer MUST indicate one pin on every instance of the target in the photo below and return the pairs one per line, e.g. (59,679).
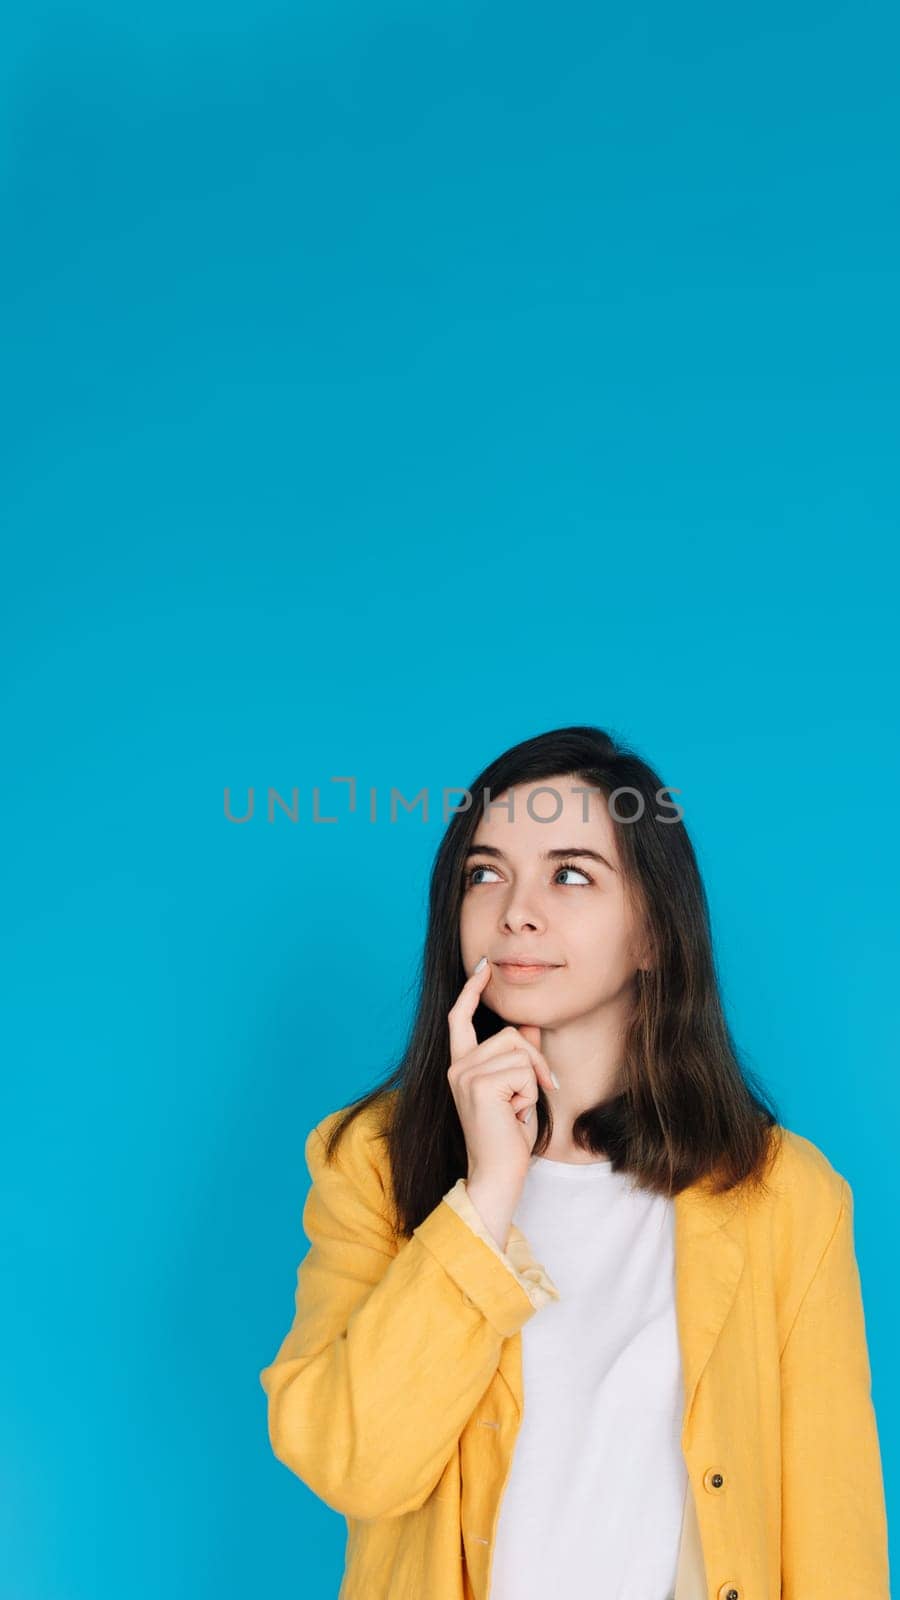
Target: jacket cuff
(517,1257)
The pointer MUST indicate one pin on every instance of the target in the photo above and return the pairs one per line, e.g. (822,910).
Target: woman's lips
(518,972)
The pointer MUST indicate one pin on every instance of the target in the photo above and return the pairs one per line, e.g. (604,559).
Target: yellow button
(714,1480)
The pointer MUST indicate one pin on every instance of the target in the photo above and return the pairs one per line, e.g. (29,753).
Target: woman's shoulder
(359,1149)
(801,1203)
(800,1170)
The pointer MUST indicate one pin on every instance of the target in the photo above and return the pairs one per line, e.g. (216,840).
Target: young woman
(579,1315)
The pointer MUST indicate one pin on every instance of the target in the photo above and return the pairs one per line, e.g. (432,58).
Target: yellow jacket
(397,1394)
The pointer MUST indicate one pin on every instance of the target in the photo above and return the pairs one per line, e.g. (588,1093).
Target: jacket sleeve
(517,1257)
(834,1527)
(392,1344)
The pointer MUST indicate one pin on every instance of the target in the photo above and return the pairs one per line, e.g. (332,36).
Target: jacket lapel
(709,1260)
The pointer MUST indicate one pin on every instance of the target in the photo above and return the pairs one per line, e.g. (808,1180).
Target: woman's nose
(521,917)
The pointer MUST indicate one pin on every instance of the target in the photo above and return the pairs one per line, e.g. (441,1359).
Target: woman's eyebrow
(549,855)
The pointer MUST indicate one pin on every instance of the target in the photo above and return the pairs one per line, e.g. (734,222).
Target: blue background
(386,385)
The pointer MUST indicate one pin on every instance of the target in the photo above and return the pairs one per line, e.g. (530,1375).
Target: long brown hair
(688,1109)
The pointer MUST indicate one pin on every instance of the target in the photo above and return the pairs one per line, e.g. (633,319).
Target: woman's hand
(495,1088)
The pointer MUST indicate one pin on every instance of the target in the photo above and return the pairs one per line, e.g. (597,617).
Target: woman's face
(552,893)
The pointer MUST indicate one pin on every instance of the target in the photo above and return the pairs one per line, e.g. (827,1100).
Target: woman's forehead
(558,817)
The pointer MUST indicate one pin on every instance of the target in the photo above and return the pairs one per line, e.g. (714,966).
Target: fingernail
(527,1116)
(554,1079)
(481,963)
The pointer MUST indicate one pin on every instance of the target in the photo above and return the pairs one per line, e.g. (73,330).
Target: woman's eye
(576,870)
(470,876)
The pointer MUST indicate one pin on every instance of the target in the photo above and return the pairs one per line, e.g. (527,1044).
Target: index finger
(459,1017)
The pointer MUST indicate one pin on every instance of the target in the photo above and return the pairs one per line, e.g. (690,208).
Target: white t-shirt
(594,1501)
